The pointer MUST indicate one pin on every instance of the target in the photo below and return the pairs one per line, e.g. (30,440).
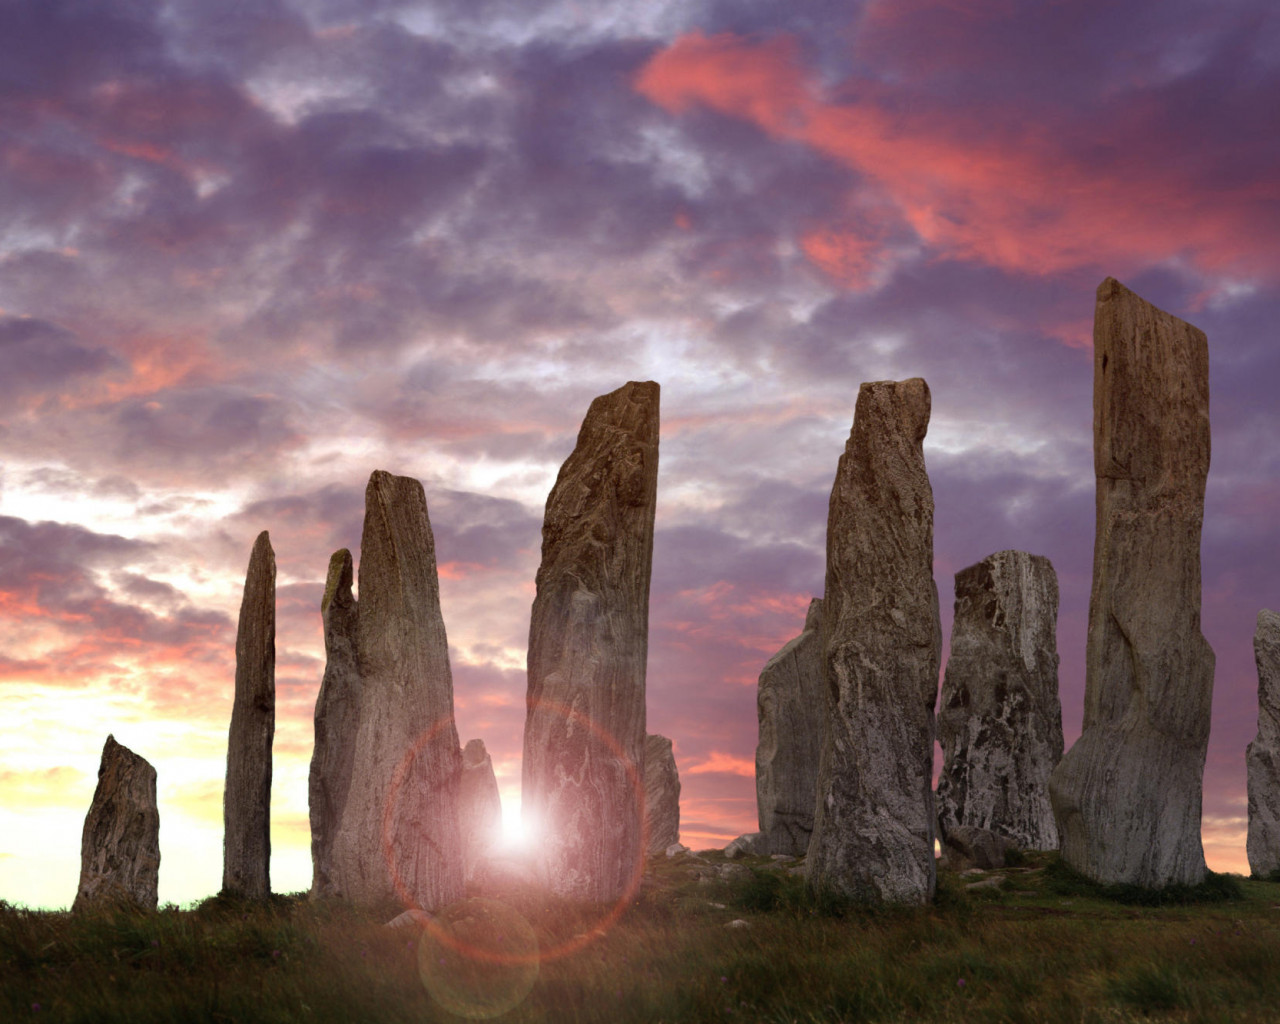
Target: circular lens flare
(478,958)
(457,943)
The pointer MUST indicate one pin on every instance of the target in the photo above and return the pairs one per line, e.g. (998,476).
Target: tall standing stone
(1262,758)
(479,806)
(337,720)
(1000,723)
(881,637)
(583,777)
(661,794)
(791,707)
(1127,794)
(120,844)
(246,801)
(398,838)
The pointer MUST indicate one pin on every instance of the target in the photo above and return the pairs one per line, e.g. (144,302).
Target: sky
(253,250)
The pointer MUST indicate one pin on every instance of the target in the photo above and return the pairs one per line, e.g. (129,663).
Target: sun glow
(518,833)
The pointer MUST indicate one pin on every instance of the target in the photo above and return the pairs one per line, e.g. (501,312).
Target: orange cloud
(726,764)
(974,186)
(761,82)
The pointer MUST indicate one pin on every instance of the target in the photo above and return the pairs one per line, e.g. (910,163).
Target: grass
(1046,946)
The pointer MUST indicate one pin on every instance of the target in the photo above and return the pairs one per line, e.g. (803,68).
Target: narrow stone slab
(791,710)
(874,819)
(661,794)
(588,642)
(1000,720)
(479,806)
(399,837)
(246,801)
(120,844)
(337,720)
(1262,757)
(1127,795)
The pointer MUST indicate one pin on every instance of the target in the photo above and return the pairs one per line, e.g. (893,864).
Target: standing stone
(120,845)
(584,733)
(661,795)
(1000,723)
(398,838)
(246,801)
(479,806)
(336,721)
(881,637)
(791,708)
(1262,757)
(1127,794)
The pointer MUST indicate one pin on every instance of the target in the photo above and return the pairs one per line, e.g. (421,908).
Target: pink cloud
(724,764)
(980,185)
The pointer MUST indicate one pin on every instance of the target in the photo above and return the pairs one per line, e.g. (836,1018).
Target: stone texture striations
(791,709)
(120,845)
(479,806)
(661,794)
(246,801)
(583,777)
(1262,758)
(1000,720)
(1127,795)
(874,817)
(336,720)
(398,837)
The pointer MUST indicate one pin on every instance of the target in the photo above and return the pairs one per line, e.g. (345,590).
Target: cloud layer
(251,253)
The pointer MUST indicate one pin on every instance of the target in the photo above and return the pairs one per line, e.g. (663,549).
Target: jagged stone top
(1020,587)
(1146,358)
(619,426)
(1266,648)
(812,622)
(255,637)
(474,754)
(399,589)
(115,751)
(339,579)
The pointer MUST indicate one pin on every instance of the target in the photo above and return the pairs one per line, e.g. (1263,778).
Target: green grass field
(1038,946)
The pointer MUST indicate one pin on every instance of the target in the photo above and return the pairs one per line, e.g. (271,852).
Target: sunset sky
(251,251)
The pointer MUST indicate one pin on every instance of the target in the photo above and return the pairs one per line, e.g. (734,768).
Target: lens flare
(478,958)
(441,935)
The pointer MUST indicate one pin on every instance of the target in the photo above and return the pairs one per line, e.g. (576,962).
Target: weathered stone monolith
(398,838)
(791,708)
(120,844)
(588,641)
(479,806)
(1127,795)
(874,818)
(246,801)
(1000,720)
(336,720)
(1262,757)
(661,794)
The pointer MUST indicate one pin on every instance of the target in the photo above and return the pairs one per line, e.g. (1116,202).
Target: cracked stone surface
(874,819)
(120,844)
(790,711)
(399,837)
(1127,795)
(246,802)
(583,774)
(1000,719)
(1262,757)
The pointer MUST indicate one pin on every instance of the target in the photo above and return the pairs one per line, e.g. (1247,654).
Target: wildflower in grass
(275,954)
(723,978)
(155,942)
(35,1007)
(960,983)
